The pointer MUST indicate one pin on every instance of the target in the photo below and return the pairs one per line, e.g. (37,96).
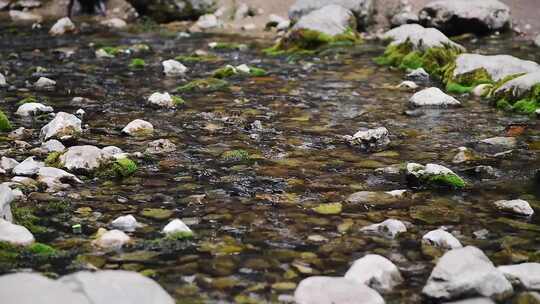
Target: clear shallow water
(254,225)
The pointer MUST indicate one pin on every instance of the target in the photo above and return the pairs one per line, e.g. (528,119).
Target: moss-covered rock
(225,72)
(5,125)
(137,63)
(204,85)
(120,168)
(413,46)
(53,159)
(433,176)
(235,156)
(520,94)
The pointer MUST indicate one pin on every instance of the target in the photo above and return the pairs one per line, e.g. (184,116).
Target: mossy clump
(225,72)
(137,63)
(112,51)
(35,255)
(465,82)
(27,99)
(42,249)
(25,216)
(177,100)
(526,103)
(204,85)
(306,42)
(53,159)
(120,168)
(235,156)
(180,235)
(197,58)
(446,181)
(5,125)
(406,56)
(257,72)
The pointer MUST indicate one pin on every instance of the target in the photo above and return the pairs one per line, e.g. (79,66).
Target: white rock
(125,223)
(25,288)
(526,275)
(520,86)
(176,226)
(418,74)
(326,290)
(62,26)
(3,81)
(115,287)
(53,145)
(138,127)
(442,239)
(160,146)
(371,140)
(83,158)
(243,68)
(6,197)
(44,83)
(433,97)
(33,108)
(537,41)
(28,167)
(207,21)
(376,272)
(362,9)
(112,150)
(397,193)
(7,164)
(15,234)
(101,53)
(331,20)
(162,100)
(173,68)
(56,179)
(64,125)
(389,228)
(420,37)
(487,15)
(518,206)
(408,84)
(497,66)
(24,17)
(112,239)
(466,272)
(115,23)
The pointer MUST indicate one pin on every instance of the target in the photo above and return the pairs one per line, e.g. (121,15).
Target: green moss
(113,51)
(41,249)
(181,235)
(204,85)
(196,58)
(328,209)
(177,100)
(447,180)
(457,88)
(120,168)
(527,103)
(5,125)
(235,156)
(53,159)
(404,56)
(225,72)
(228,46)
(137,63)
(307,42)
(25,216)
(27,99)
(257,72)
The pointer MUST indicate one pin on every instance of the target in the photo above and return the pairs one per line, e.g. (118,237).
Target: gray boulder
(119,287)
(84,159)
(325,290)
(172,10)
(15,234)
(463,16)
(362,9)
(420,37)
(331,20)
(100,287)
(497,66)
(526,275)
(64,125)
(28,167)
(6,197)
(466,272)
(32,108)
(53,145)
(376,272)
(56,179)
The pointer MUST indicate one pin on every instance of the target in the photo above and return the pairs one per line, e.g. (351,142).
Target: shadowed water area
(256,234)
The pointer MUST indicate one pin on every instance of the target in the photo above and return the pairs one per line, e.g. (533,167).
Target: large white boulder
(466,271)
(420,37)
(526,275)
(376,272)
(28,167)
(362,9)
(32,108)
(83,158)
(331,20)
(326,290)
(56,179)
(497,66)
